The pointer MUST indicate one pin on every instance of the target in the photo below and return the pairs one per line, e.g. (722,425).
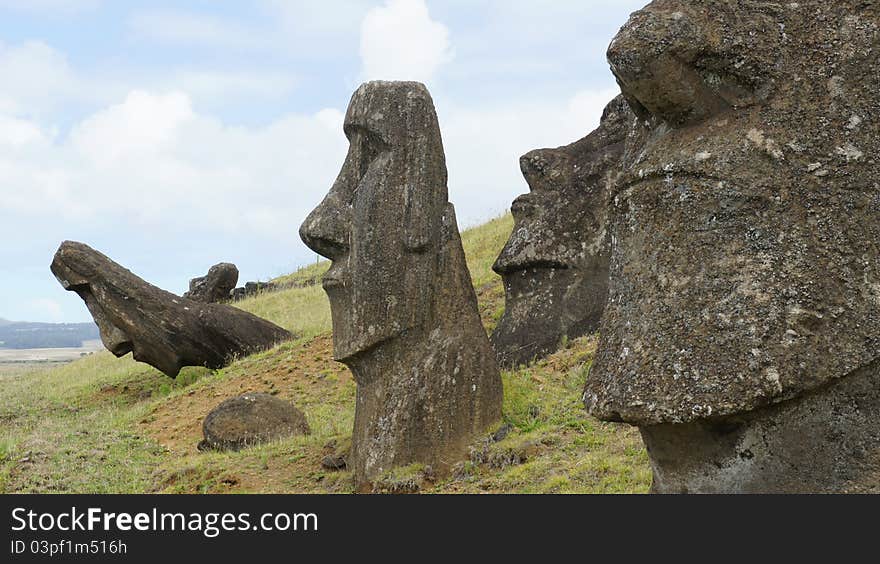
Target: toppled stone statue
(251,419)
(158,327)
(404,312)
(555,264)
(742,331)
(251,289)
(216,286)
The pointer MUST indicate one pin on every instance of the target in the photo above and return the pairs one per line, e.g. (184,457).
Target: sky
(175,135)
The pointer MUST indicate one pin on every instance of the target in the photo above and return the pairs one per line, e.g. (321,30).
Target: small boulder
(251,419)
(216,286)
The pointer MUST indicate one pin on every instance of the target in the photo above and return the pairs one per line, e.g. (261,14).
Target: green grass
(303,311)
(102,424)
(304,276)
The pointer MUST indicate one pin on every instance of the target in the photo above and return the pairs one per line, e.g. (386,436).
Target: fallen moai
(158,327)
(214,287)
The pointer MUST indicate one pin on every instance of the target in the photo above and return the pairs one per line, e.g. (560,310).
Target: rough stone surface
(251,289)
(555,264)
(744,270)
(158,327)
(405,316)
(214,287)
(827,441)
(251,419)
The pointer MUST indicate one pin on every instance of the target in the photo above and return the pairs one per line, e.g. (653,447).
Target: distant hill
(23,335)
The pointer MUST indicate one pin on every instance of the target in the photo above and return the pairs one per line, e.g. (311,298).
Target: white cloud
(183,28)
(152,160)
(41,84)
(400,41)
(140,127)
(36,78)
(210,88)
(18,133)
(320,18)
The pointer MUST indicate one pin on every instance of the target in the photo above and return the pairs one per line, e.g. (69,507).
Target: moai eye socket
(366,146)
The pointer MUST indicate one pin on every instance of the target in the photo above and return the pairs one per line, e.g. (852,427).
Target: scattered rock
(502,432)
(337,455)
(405,316)
(157,327)
(251,289)
(214,287)
(334,462)
(251,419)
(406,480)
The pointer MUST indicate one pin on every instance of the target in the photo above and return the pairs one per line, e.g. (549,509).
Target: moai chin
(743,324)
(555,264)
(404,312)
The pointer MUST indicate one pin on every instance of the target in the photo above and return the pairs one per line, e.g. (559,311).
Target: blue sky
(175,135)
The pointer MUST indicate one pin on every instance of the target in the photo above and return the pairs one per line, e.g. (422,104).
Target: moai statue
(216,286)
(742,331)
(405,316)
(159,328)
(555,264)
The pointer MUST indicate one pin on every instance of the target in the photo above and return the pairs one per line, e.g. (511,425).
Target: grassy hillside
(103,424)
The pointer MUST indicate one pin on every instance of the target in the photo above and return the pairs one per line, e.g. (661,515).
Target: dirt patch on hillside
(305,375)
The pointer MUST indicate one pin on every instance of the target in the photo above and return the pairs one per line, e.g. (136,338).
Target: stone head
(381,222)
(110,293)
(555,263)
(745,265)
(158,327)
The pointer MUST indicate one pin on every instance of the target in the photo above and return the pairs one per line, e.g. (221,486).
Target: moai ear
(418,228)
(424,191)
(424,195)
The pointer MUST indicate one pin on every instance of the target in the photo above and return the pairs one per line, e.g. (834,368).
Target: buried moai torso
(555,264)
(404,312)
(745,270)
(159,328)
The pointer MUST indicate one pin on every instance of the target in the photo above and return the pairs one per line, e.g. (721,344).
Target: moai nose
(326,229)
(653,59)
(544,169)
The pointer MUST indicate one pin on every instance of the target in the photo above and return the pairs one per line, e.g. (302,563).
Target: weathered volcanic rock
(251,289)
(251,419)
(744,302)
(214,287)
(158,327)
(405,316)
(555,264)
